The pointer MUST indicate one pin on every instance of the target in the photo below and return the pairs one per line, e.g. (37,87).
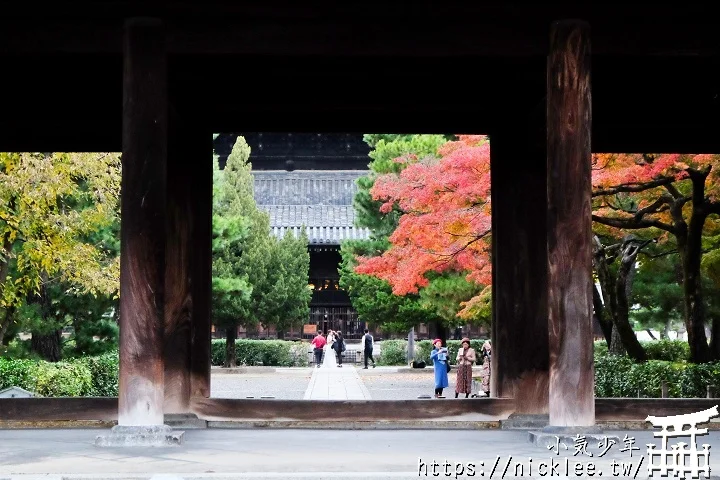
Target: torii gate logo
(680,461)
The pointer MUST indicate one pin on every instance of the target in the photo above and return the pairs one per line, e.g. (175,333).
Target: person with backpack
(339,347)
(367,342)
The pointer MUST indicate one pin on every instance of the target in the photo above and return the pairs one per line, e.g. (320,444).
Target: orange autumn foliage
(445,224)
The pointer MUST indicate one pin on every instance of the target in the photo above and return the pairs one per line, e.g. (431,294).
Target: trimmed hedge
(397,350)
(614,376)
(668,350)
(86,377)
(276,353)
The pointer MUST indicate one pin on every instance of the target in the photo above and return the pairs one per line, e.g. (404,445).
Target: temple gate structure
(548,83)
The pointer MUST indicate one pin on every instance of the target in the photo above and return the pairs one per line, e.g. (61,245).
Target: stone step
(525,422)
(184,421)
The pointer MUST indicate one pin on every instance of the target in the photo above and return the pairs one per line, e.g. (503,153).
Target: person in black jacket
(367,343)
(339,347)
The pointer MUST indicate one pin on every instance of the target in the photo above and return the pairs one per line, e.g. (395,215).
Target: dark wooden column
(188,264)
(178,273)
(520,335)
(569,225)
(201,266)
(142,240)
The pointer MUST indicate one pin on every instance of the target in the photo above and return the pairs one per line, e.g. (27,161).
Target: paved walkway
(331,382)
(312,454)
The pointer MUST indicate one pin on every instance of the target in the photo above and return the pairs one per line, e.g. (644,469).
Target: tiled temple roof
(319,200)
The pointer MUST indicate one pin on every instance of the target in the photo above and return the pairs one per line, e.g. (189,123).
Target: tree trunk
(47,345)
(230,353)
(628,256)
(616,343)
(604,299)
(691,255)
(666,331)
(281,334)
(5,323)
(603,316)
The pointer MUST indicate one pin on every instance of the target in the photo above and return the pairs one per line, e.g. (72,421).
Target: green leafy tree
(51,205)
(372,297)
(257,279)
(386,148)
(239,246)
(445,295)
(287,301)
(658,293)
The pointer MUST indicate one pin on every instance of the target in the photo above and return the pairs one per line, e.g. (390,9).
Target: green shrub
(105,372)
(276,353)
(393,352)
(612,377)
(424,347)
(617,376)
(17,373)
(695,378)
(422,351)
(668,350)
(647,378)
(62,379)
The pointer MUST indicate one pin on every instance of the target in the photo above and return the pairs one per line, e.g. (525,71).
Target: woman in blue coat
(439,357)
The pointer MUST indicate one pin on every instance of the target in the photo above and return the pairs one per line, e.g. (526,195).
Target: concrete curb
(340,425)
(379,425)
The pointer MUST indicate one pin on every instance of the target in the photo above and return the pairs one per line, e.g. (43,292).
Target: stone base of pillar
(140,436)
(184,420)
(525,421)
(550,436)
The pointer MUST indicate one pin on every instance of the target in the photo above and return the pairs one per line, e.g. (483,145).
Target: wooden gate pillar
(142,235)
(570,226)
(519,255)
(188,265)
(201,192)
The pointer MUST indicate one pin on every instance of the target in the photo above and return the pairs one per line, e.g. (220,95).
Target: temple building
(321,201)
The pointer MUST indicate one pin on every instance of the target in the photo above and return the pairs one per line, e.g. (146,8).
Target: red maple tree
(445,224)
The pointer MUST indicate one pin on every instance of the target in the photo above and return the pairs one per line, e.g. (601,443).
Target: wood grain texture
(105,409)
(142,243)
(351,410)
(520,324)
(201,265)
(569,225)
(178,274)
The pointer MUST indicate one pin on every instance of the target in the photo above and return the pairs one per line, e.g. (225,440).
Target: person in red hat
(439,357)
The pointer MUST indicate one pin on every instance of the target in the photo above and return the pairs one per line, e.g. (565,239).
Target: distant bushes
(394,352)
(615,376)
(82,377)
(275,353)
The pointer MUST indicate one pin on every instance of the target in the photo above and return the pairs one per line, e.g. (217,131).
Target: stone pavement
(330,382)
(372,454)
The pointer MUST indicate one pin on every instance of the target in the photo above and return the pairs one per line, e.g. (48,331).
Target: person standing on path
(465,360)
(339,347)
(486,355)
(318,342)
(368,342)
(439,357)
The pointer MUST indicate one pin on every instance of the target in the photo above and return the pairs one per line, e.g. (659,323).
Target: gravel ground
(388,385)
(291,383)
(286,384)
